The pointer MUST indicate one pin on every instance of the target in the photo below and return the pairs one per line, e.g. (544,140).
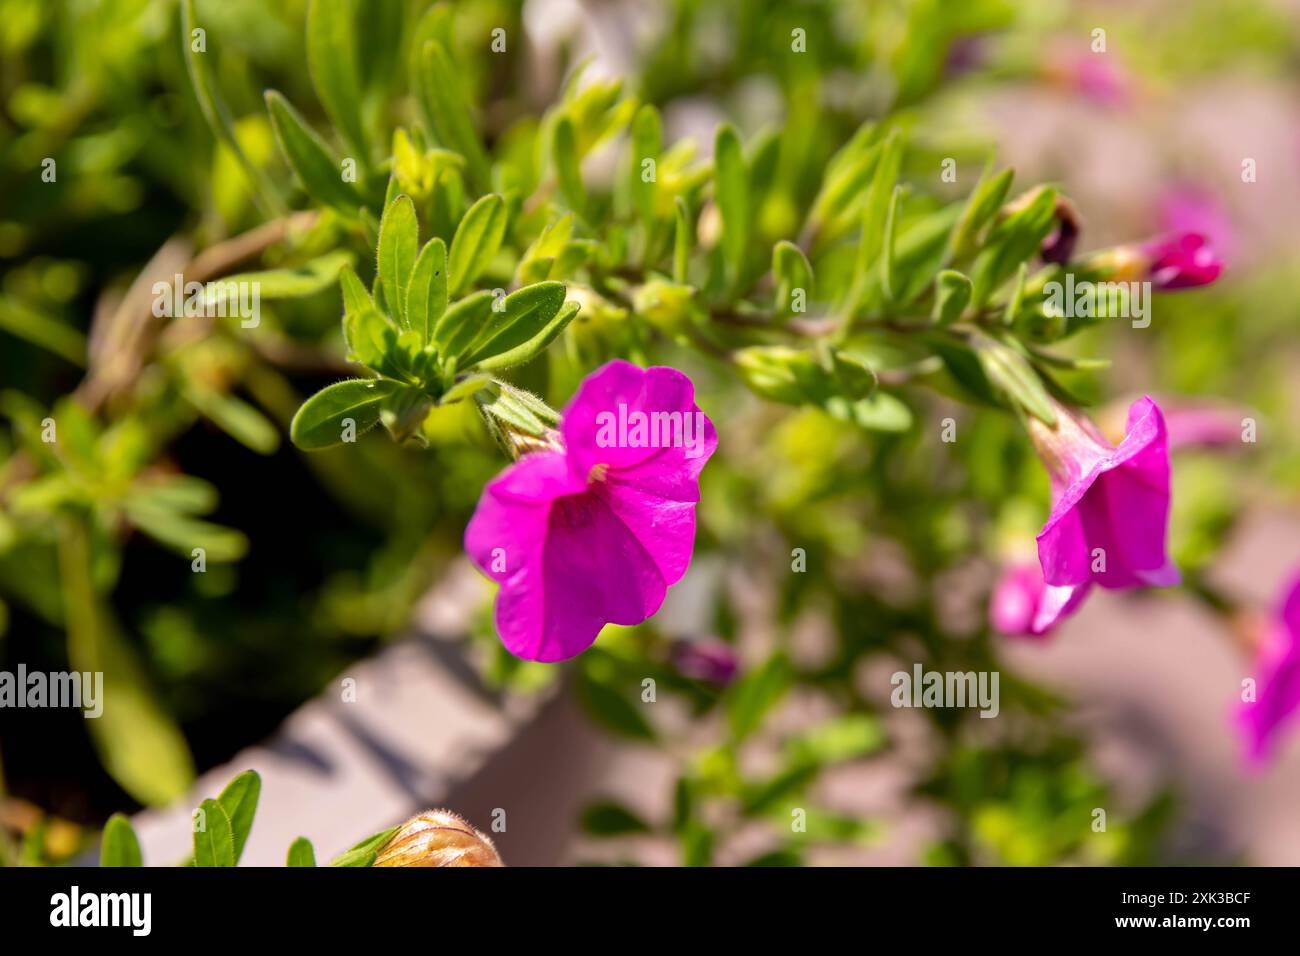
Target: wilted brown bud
(438,838)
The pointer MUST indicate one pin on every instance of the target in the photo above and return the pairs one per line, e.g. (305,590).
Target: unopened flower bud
(438,838)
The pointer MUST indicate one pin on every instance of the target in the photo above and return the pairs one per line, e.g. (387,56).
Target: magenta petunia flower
(1111,513)
(711,661)
(1277,679)
(1181,261)
(594,532)
(1024,605)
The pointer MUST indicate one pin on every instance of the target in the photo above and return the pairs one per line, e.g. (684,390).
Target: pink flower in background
(1191,209)
(1111,513)
(1100,78)
(1024,605)
(1277,679)
(1204,425)
(595,533)
(711,661)
(1181,261)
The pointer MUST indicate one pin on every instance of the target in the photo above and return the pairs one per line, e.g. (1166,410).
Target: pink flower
(710,661)
(595,532)
(1111,513)
(1277,673)
(1181,261)
(1205,425)
(1098,77)
(1023,605)
(1187,208)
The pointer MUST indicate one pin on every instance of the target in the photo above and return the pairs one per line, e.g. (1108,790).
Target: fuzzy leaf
(399,244)
(426,297)
(476,241)
(319,422)
(119,846)
(214,844)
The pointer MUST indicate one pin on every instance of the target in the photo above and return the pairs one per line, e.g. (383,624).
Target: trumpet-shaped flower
(594,532)
(1111,513)
(1277,678)
(1024,605)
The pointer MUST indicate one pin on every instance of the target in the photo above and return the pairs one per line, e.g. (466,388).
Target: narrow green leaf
(217,114)
(332,65)
(294,282)
(606,818)
(399,244)
(461,324)
(683,234)
(43,330)
(647,142)
(301,853)
(1015,376)
(364,853)
(426,298)
(887,283)
(448,106)
(319,423)
(239,800)
(214,844)
(985,201)
(119,846)
(731,192)
(317,168)
(791,270)
(356,298)
(751,698)
(952,295)
(476,241)
(530,320)
(568,166)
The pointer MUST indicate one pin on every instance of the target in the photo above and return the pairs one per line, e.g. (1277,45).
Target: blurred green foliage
(217,157)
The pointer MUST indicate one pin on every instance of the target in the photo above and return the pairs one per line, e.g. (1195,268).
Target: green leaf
(42,330)
(301,853)
(356,298)
(365,852)
(1011,372)
(447,106)
(875,217)
(476,241)
(754,696)
(119,846)
(426,297)
(238,419)
(295,282)
(399,244)
(318,169)
(952,295)
(239,800)
(217,114)
(462,323)
(791,270)
(984,204)
(879,412)
(613,704)
(332,65)
(531,319)
(214,844)
(647,142)
(682,236)
(568,167)
(183,534)
(731,191)
(1012,242)
(319,422)
(606,818)
(373,341)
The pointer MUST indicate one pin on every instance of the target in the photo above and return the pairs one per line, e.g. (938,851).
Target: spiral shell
(438,838)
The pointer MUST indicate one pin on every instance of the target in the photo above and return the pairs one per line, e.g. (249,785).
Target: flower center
(598,472)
